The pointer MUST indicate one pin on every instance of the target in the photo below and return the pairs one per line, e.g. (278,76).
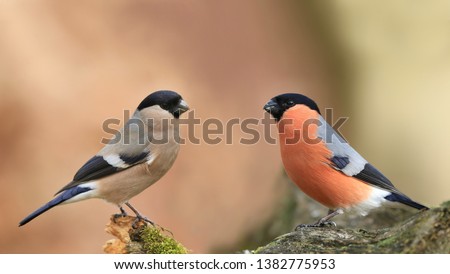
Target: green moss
(155,242)
(387,242)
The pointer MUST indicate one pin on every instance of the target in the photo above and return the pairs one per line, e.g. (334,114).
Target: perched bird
(323,165)
(138,156)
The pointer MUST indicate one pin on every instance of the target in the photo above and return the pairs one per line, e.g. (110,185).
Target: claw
(324,222)
(122,213)
(139,218)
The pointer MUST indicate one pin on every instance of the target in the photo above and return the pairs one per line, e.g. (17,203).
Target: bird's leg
(324,221)
(331,213)
(139,217)
(122,213)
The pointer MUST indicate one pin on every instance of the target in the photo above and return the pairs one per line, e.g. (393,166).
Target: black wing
(373,176)
(97,167)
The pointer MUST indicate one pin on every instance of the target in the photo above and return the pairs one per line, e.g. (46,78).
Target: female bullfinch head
(328,169)
(167,100)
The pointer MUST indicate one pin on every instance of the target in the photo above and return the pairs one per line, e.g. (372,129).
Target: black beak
(271,107)
(181,108)
(274,109)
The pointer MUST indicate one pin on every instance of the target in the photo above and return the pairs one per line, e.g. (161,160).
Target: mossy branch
(425,232)
(144,239)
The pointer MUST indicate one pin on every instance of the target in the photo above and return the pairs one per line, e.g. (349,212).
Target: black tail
(394,197)
(66,195)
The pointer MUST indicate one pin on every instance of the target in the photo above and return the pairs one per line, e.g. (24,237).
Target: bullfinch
(323,165)
(138,156)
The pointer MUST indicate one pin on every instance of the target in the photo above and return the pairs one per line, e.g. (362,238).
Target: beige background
(66,66)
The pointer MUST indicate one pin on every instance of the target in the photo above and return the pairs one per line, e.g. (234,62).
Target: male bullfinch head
(323,165)
(279,104)
(133,160)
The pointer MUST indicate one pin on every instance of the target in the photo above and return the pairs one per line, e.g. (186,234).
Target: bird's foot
(325,221)
(145,220)
(318,224)
(117,216)
(122,214)
(140,218)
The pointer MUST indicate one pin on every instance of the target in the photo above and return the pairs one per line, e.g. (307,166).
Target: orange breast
(306,160)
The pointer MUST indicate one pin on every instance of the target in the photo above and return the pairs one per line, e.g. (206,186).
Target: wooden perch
(144,239)
(425,232)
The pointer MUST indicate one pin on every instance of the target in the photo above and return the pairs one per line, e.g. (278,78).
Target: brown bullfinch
(138,156)
(323,165)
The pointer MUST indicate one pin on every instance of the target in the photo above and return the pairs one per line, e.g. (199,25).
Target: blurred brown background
(66,66)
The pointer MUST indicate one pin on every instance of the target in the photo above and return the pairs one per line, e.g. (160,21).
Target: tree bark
(425,232)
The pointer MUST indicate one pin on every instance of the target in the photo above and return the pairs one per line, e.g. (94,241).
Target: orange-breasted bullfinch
(323,165)
(138,156)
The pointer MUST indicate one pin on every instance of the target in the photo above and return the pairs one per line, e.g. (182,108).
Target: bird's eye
(288,104)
